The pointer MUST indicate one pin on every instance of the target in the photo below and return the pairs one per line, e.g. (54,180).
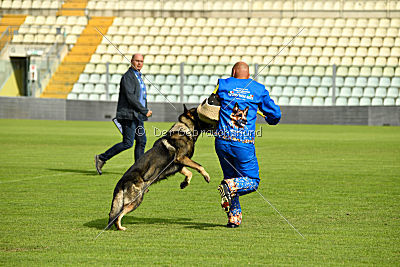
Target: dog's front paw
(184,184)
(206,177)
(121,228)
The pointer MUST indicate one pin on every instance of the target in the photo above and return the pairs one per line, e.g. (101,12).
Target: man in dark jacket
(132,111)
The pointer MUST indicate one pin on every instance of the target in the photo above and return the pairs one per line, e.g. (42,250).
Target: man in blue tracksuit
(241,97)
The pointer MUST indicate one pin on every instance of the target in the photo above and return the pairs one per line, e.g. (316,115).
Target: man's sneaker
(232,225)
(99,164)
(225,197)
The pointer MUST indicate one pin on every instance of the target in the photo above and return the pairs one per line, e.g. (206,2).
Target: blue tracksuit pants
(241,173)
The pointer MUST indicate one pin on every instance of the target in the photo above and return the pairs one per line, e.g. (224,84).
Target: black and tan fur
(170,154)
(239,117)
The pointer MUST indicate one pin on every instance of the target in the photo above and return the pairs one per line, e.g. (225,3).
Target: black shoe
(226,199)
(99,164)
(232,225)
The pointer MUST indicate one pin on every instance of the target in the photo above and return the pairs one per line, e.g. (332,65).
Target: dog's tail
(116,205)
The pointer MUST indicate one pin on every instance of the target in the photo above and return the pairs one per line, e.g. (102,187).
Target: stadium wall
(61,109)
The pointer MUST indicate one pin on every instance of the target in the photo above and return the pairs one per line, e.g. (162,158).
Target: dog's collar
(181,127)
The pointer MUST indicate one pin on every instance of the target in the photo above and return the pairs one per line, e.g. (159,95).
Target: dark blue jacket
(129,106)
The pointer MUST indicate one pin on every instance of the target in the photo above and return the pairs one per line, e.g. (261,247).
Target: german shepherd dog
(238,116)
(170,154)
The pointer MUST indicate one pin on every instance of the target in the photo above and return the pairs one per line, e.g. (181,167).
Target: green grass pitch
(338,185)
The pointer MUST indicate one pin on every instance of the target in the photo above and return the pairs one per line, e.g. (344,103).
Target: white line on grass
(53,175)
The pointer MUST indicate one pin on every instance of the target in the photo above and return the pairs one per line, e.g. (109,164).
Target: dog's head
(191,116)
(239,116)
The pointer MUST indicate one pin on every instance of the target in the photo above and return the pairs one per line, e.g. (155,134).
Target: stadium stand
(366,50)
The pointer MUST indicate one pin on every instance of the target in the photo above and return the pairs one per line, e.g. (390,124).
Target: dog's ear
(185,110)
(236,107)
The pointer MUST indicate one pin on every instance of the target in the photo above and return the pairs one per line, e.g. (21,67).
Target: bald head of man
(137,61)
(241,70)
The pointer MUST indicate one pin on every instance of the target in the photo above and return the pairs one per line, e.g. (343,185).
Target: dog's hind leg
(116,205)
(128,208)
(185,171)
(132,199)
